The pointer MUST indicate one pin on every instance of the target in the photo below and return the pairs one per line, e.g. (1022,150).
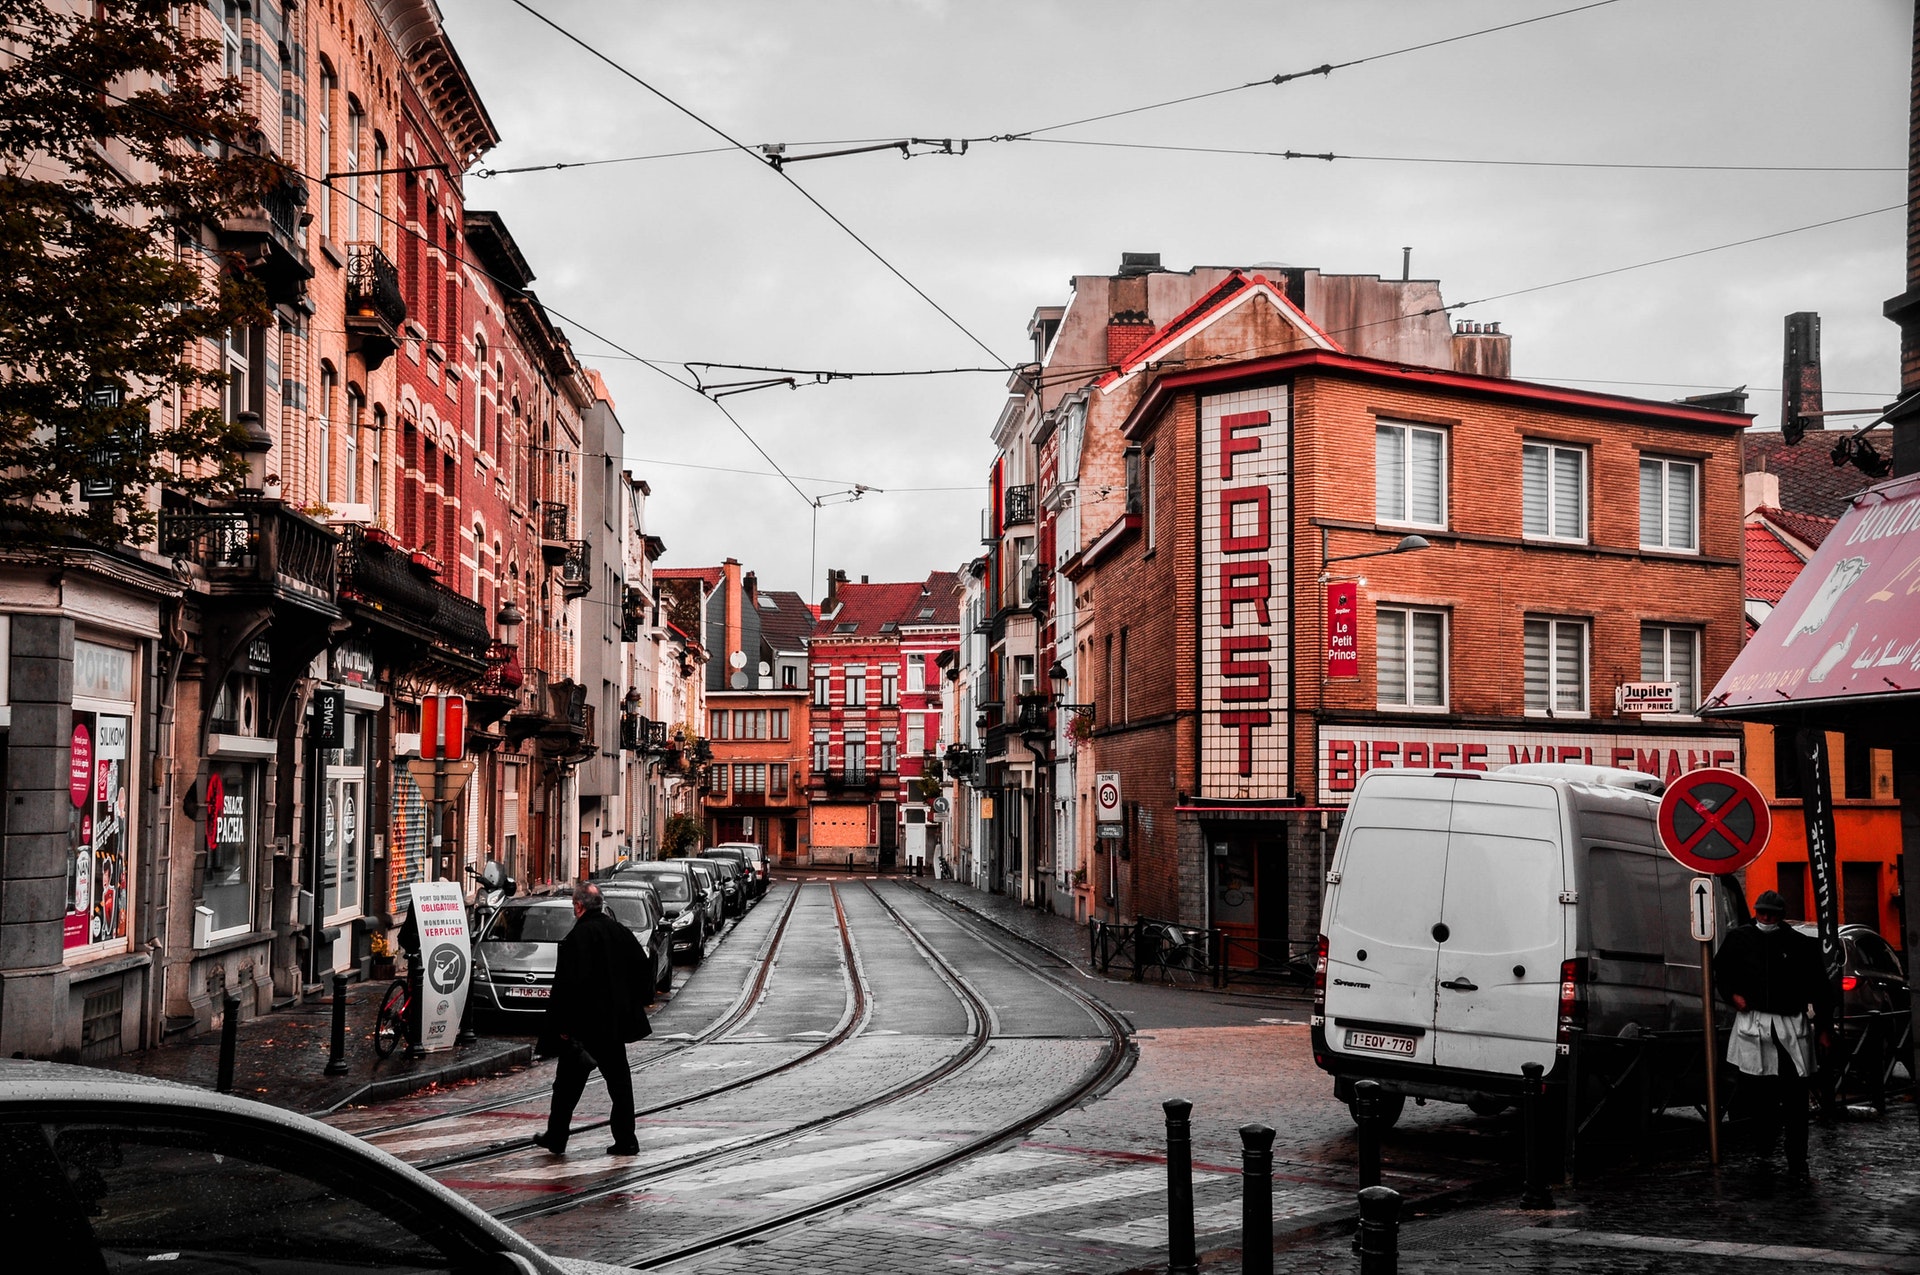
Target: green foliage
(120,143)
(683,833)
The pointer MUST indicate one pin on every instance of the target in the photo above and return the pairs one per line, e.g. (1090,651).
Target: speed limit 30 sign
(1106,803)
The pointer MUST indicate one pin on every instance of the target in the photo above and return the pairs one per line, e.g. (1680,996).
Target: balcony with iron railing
(1017,511)
(576,569)
(381,580)
(255,545)
(266,239)
(555,518)
(375,307)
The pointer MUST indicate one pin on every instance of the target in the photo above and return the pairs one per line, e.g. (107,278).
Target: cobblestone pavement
(1084,1191)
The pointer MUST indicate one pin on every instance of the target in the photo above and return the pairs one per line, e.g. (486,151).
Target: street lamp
(1408,544)
(508,621)
(253,443)
(1057,675)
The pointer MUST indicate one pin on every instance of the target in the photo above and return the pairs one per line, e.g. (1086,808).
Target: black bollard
(337,1057)
(229,1039)
(1379,1234)
(1534,1194)
(1256,1200)
(1181,1257)
(1366,1107)
(1139,950)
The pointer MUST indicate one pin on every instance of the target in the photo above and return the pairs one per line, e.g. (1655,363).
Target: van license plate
(541,993)
(1381,1043)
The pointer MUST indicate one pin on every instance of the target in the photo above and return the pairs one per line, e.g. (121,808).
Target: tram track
(735,1016)
(1115,1061)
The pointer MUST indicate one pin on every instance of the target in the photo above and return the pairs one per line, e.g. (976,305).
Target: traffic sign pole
(1713,1062)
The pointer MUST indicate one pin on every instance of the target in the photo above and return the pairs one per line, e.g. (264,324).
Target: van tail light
(1573,997)
(1320,976)
(1849,982)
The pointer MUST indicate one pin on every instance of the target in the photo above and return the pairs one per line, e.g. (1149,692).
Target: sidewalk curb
(413,1081)
(1087,970)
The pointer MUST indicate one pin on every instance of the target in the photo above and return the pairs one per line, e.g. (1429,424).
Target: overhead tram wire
(1604,165)
(780,169)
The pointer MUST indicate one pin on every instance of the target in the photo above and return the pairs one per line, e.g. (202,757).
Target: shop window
(343,824)
(231,789)
(98,830)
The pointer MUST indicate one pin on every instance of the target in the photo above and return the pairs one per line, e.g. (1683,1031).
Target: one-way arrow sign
(1701,895)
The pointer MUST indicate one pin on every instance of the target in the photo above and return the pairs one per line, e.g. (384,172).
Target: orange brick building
(1573,542)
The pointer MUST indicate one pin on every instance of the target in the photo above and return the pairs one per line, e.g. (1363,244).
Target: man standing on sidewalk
(601,987)
(1776,980)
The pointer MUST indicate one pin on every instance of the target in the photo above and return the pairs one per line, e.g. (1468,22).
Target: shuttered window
(1555,659)
(1410,475)
(1412,658)
(1668,496)
(1553,502)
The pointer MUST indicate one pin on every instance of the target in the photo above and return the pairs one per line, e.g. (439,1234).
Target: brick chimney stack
(1800,396)
(1905,308)
(731,568)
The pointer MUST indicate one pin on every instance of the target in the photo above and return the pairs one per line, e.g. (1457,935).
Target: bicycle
(390,1028)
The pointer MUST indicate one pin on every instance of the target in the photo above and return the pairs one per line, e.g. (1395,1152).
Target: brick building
(1573,542)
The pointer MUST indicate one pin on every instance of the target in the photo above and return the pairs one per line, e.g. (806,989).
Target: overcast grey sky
(712,257)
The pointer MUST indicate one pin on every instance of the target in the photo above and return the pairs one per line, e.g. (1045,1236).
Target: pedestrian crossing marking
(805,1163)
(997,1209)
(433,1142)
(583,1165)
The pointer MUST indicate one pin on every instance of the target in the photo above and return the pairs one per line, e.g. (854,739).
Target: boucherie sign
(1243,594)
(1348,752)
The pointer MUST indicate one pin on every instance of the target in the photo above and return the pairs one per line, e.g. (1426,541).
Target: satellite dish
(766,669)
(737,660)
(738,681)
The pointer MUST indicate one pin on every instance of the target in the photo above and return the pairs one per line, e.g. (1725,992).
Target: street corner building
(1302,527)
(212,746)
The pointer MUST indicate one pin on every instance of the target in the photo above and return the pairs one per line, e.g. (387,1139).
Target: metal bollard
(229,1039)
(1256,1200)
(1378,1239)
(1139,950)
(1181,1257)
(1534,1194)
(1366,1106)
(337,1056)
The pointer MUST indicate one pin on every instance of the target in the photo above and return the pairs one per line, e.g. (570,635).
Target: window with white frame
(1146,481)
(916,674)
(329,86)
(889,752)
(1553,502)
(916,734)
(856,752)
(323,431)
(1556,667)
(231,43)
(356,124)
(856,686)
(889,686)
(356,421)
(1669,504)
(1412,647)
(822,687)
(1410,474)
(821,747)
(1671,653)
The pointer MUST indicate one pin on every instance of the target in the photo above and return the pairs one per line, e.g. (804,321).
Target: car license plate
(541,993)
(1381,1043)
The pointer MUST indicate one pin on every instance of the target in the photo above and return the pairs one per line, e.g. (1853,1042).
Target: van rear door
(1505,928)
(1381,952)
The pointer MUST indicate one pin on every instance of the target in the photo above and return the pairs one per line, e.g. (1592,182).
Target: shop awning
(1842,647)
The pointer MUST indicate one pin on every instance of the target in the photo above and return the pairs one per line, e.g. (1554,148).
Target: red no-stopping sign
(1714,821)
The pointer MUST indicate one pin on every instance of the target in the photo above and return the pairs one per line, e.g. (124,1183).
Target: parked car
(683,896)
(513,968)
(716,902)
(752,857)
(637,905)
(1873,979)
(1479,921)
(120,1172)
(735,894)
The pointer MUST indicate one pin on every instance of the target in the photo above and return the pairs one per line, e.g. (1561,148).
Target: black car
(732,878)
(683,896)
(753,864)
(636,904)
(115,1172)
(1872,978)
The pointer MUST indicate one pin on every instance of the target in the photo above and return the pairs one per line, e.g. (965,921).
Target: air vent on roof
(849,627)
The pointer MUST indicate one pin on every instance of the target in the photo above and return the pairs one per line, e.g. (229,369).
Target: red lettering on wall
(1442,755)
(1647,761)
(1255,541)
(1723,759)
(1473,757)
(1244,720)
(1253,594)
(1341,772)
(1623,759)
(1382,751)
(1415,756)
(1230,445)
(1261,671)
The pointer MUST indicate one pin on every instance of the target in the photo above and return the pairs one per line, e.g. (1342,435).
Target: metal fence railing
(1191,954)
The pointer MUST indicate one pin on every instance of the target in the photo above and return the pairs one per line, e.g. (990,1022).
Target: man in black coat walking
(601,987)
(1776,980)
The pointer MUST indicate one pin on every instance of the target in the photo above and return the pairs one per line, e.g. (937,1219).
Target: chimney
(1760,490)
(863,579)
(750,586)
(1482,349)
(835,578)
(730,569)
(1800,398)
(1138,263)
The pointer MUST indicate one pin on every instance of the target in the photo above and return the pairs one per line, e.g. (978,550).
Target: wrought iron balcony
(380,578)
(848,779)
(633,732)
(375,308)
(1018,510)
(504,676)
(1034,718)
(255,544)
(266,238)
(554,520)
(576,569)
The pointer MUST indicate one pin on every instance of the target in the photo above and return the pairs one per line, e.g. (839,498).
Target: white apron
(1751,1047)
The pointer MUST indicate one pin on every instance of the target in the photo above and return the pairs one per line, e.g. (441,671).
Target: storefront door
(343,833)
(1249,893)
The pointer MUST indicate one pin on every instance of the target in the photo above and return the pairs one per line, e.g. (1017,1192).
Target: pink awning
(1848,630)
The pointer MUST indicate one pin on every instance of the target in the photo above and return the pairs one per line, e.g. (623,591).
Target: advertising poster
(446,960)
(97,831)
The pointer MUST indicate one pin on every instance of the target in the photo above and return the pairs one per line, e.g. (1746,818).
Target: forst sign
(1244,586)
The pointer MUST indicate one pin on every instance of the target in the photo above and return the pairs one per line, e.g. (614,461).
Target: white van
(1475,922)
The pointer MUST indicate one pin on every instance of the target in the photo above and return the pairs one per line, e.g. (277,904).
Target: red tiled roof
(1771,565)
(712,575)
(1808,529)
(1810,483)
(868,606)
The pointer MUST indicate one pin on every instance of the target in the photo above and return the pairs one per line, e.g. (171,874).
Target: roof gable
(1229,295)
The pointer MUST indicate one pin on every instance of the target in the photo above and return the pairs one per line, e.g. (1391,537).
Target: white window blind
(1668,495)
(1555,659)
(1553,491)
(1412,658)
(1670,653)
(1410,475)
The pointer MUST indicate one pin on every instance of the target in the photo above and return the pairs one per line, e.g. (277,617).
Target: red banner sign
(80,772)
(1343,629)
